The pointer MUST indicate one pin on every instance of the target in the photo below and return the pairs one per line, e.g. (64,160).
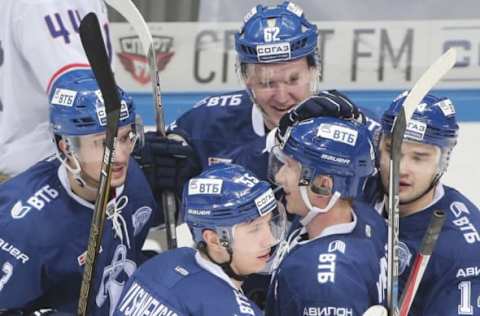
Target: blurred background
(371,50)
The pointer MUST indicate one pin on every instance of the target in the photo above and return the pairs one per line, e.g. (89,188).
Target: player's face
(252,245)
(91,156)
(418,167)
(278,87)
(288,177)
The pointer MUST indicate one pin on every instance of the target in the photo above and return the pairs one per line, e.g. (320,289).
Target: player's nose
(282,94)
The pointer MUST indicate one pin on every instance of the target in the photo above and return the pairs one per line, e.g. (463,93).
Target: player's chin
(119,174)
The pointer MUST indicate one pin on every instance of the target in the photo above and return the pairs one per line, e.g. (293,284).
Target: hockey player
(235,221)
(334,263)
(46,211)
(451,283)
(38,42)
(279,64)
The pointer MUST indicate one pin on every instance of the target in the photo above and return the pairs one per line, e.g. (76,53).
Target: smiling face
(418,167)
(278,87)
(252,244)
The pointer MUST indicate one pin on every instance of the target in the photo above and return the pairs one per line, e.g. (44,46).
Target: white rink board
(356,55)
(464,170)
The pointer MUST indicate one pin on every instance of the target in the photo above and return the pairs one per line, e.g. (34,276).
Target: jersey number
(57,27)
(7,269)
(465,307)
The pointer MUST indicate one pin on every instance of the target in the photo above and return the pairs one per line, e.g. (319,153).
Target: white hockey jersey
(39,40)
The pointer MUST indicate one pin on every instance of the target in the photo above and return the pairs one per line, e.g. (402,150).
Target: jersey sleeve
(48,38)
(21,270)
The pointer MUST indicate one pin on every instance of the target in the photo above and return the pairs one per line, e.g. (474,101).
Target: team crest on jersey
(136,63)
(404,257)
(140,218)
(114,278)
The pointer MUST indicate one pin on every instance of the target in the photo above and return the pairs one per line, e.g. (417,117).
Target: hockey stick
(421,261)
(94,47)
(426,82)
(130,12)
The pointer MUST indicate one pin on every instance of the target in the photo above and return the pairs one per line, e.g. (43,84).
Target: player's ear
(322,186)
(211,239)
(64,147)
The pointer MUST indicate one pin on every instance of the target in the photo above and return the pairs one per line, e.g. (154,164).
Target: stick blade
(129,11)
(428,80)
(93,44)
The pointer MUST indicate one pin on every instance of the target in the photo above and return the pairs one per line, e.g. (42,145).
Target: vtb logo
(136,63)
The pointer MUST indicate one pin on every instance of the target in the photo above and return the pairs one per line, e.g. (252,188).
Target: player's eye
(293,79)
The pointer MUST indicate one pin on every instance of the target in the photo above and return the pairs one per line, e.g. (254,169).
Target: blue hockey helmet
(275,34)
(226,195)
(331,147)
(433,122)
(76,105)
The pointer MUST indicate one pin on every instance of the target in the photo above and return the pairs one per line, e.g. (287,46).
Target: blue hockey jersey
(340,272)
(44,229)
(229,128)
(451,283)
(180,282)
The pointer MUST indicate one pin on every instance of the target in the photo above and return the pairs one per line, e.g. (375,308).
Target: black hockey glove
(166,163)
(327,103)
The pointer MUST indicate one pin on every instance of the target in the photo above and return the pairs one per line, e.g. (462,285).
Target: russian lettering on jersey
(138,301)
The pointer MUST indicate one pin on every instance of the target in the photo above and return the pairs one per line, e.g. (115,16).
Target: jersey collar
(62,175)
(257,121)
(338,229)
(214,269)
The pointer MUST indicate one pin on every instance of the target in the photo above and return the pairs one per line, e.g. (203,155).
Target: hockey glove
(327,103)
(166,163)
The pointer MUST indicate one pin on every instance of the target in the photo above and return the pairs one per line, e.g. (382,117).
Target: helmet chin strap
(226,266)
(313,210)
(76,171)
